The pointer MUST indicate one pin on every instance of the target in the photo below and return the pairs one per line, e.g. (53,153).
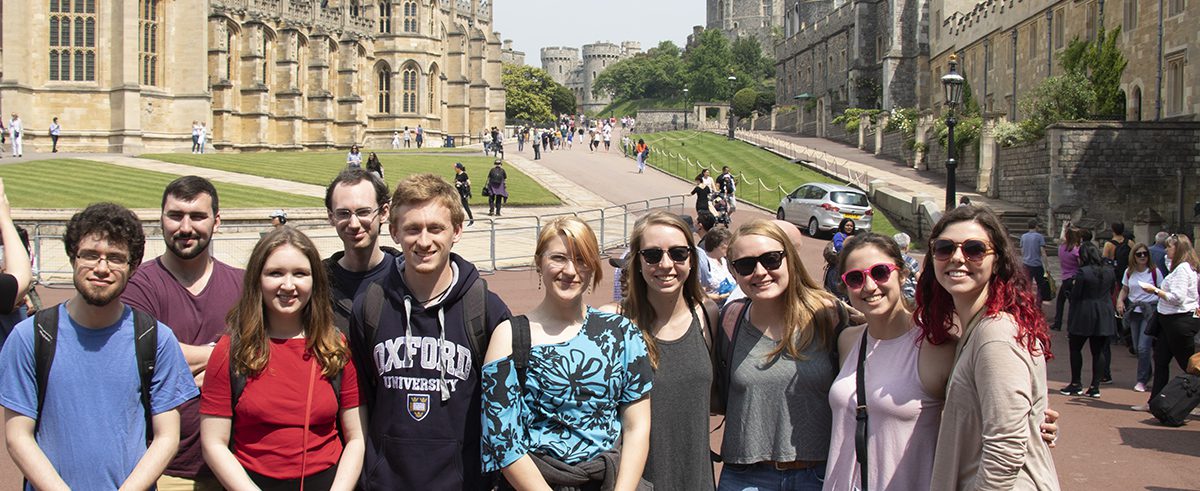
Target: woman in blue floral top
(581,417)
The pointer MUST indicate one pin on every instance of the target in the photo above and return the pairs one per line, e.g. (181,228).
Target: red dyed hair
(1009,291)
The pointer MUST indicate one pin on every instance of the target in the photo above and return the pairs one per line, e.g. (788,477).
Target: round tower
(631,48)
(596,58)
(559,61)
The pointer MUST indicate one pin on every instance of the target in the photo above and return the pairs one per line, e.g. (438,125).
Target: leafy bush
(744,101)
(903,119)
(1008,133)
(1066,97)
(852,116)
(966,132)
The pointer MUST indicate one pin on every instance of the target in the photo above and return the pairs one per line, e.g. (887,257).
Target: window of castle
(1059,34)
(1176,64)
(1090,21)
(73,40)
(432,89)
(385,17)
(1175,7)
(148,21)
(385,90)
(409,81)
(266,63)
(1131,12)
(410,16)
(229,43)
(1033,40)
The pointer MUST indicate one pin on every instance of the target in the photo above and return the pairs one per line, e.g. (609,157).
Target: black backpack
(342,304)
(1120,259)
(45,343)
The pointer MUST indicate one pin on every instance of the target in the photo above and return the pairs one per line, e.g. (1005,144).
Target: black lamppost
(732,80)
(952,82)
(686,108)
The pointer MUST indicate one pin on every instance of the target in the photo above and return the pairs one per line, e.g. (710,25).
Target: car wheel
(813,228)
(780,215)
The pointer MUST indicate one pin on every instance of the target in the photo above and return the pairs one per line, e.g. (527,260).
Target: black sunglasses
(677,254)
(881,272)
(1141,254)
(973,249)
(770,261)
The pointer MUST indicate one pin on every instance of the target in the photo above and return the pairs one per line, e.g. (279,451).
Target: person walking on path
(16,130)
(395,140)
(1093,319)
(374,166)
(1068,265)
(195,137)
(641,151)
(87,428)
(282,352)
(1033,257)
(190,291)
(407,137)
(420,136)
(354,158)
(462,182)
(357,204)
(727,185)
(497,188)
(1136,306)
(203,135)
(1177,304)
(1158,252)
(55,130)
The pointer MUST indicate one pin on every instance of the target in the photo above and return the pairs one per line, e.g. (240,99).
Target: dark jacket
(346,285)
(1092,312)
(415,439)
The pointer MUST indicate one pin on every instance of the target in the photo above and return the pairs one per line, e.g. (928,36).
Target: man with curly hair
(90,431)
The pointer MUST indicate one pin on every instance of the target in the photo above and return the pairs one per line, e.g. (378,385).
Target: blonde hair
(636,305)
(422,188)
(1184,253)
(581,243)
(803,298)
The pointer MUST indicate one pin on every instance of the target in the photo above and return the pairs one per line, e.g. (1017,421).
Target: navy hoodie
(420,436)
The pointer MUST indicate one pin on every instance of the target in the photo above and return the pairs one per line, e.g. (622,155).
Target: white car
(818,207)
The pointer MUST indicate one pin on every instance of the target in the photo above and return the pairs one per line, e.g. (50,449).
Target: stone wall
(786,121)
(967,171)
(653,120)
(1024,175)
(893,147)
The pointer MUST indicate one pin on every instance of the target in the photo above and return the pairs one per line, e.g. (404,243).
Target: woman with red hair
(980,293)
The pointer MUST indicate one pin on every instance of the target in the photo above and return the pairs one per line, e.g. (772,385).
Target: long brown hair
(247,324)
(1133,258)
(636,305)
(1184,253)
(803,298)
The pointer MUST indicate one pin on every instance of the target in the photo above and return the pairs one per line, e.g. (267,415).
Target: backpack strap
(237,382)
(145,342)
(475,316)
(521,345)
(342,305)
(45,341)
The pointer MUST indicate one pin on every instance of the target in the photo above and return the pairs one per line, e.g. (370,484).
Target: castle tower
(597,57)
(747,18)
(559,62)
(630,49)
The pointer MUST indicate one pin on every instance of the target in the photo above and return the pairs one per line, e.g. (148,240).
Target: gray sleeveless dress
(679,450)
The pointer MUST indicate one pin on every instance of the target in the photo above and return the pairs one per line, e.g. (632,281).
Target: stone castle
(759,19)
(565,67)
(131,76)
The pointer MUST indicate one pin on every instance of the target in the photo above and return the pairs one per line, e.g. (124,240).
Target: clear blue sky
(535,24)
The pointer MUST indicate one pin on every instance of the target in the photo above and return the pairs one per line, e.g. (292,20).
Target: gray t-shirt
(1031,248)
(778,409)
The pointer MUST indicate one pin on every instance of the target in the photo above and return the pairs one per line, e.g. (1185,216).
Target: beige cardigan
(990,437)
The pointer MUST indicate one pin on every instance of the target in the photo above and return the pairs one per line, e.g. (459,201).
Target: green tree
(658,73)
(527,93)
(1065,97)
(1102,64)
(562,100)
(749,62)
(709,63)
(743,102)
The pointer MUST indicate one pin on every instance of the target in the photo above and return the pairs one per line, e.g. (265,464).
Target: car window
(815,193)
(848,198)
(799,192)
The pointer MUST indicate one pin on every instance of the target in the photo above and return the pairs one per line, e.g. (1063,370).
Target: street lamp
(952,82)
(686,108)
(732,80)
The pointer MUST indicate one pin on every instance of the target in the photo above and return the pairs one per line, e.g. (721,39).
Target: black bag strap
(860,413)
(145,342)
(520,347)
(45,341)
(475,315)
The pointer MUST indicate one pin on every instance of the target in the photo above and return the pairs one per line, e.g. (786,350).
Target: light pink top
(903,420)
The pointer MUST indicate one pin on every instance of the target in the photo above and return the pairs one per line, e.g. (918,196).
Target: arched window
(385,17)
(432,89)
(148,22)
(410,16)
(230,44)
(384,76)
(409,80)
(72,40)
(266,57)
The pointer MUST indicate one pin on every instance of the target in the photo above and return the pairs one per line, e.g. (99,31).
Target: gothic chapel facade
(130,76)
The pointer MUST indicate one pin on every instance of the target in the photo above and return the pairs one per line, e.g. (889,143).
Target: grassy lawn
(629,107)
(71,183)
(754,163)
(320,168)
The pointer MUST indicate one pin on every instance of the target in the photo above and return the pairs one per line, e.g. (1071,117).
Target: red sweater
(268,432)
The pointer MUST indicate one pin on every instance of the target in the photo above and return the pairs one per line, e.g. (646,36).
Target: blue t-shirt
(573,392)
(1031,248)
(93,427)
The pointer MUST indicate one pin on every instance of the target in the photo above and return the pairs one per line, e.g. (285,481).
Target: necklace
(439,294)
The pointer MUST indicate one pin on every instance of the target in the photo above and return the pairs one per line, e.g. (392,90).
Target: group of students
(400,370)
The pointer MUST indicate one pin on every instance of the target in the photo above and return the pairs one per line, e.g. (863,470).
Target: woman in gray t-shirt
(779,369)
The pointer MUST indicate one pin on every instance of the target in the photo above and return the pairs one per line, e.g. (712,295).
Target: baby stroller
(721,210)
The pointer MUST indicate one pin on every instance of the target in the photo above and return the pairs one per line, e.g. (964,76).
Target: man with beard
(357,203)
(89,431)
(189,291)
(418,336)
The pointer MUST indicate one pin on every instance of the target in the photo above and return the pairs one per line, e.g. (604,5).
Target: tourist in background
(462,183)
(17,131)
(565,365)
(641,151)
(1068,265)
(720,281)
(1092,319)
(997,388)
(1177,304)
(1033,257)
(195,136)
(1136,306)
(1158,252)
(55,130)
(282,354)
(845,230)
(395,140)
(912,268)
(203,135)
(354,158)
(374,166)
(497,188)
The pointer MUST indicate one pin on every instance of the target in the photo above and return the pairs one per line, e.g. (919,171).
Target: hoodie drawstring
(441,316)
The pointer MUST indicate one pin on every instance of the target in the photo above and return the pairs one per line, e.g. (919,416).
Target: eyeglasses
(973,249)
(677,254)
(559,261)
(91,259)
(363,214)
(881,273)
(1141,254)
(769,260)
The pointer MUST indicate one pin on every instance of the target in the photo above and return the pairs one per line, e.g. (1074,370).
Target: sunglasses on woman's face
(973,249)
(881,273)
(1141,254)
(770,261)
(677,254)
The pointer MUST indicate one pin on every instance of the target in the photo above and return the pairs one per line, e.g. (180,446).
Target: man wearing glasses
(90,429)
(357,203)
(190,291)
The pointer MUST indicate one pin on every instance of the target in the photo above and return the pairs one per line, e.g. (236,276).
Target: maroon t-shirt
(196,320)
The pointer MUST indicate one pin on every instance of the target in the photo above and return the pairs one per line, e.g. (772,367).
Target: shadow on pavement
(1160,439)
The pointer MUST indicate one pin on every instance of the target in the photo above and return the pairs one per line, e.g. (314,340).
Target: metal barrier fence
(501,242)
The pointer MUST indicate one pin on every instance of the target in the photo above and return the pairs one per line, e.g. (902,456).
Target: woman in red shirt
(295,423)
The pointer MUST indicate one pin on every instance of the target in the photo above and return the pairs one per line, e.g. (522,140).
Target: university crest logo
(418,406)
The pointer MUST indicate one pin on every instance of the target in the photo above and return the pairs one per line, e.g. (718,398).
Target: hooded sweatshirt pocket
(416,463)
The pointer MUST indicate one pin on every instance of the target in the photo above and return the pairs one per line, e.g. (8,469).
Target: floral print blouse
(573,390)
